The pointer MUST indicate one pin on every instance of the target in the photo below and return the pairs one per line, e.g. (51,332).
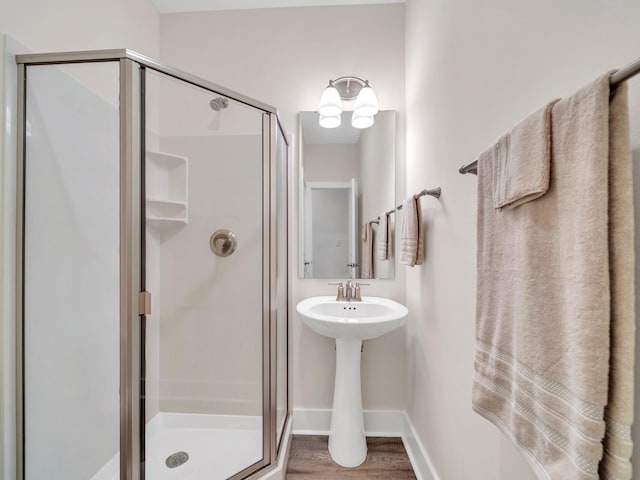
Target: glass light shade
(330,102)
(361,121)
(367,102)
(331,121)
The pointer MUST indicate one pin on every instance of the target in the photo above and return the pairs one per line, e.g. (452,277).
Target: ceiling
(175,6)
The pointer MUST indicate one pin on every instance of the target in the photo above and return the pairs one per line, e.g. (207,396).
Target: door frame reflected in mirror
(341,229)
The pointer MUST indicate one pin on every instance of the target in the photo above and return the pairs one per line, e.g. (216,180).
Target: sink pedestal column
(347,441)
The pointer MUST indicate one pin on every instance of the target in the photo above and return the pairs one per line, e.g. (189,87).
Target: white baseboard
(377,423)
(307,421)
(417,454)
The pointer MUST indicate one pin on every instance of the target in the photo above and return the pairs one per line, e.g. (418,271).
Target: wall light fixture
(348,89)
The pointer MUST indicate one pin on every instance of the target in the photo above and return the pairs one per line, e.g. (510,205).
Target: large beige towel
(383,236)
(555,301)
(522,160)
(366,254)
(412,235)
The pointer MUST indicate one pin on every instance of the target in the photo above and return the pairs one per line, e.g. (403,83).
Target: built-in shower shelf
(166,187)
(166,212)
(160,222)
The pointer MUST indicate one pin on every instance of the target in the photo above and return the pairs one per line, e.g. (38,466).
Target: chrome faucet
(348,292)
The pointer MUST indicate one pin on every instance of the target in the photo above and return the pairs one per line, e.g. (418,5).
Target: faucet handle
(356,294)
(340,296)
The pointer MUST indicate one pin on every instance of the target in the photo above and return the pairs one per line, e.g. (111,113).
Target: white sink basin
(350,323)
(370,318)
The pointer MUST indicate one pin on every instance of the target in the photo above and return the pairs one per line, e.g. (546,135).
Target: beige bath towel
(412,235)
(383,236)
(366,254)
(555,306)
(522,160)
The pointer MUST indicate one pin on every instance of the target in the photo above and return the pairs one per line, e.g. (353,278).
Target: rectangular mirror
(347,180)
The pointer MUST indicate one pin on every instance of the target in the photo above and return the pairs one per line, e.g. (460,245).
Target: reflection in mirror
(347,182)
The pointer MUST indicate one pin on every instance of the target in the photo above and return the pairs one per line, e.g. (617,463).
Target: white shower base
(218,446)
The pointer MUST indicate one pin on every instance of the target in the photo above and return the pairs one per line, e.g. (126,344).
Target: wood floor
(310,459)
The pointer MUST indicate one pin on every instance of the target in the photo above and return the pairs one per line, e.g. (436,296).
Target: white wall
(474,69)
(69,25)
(330,162)
(43,26)
(284,57)
(211,307)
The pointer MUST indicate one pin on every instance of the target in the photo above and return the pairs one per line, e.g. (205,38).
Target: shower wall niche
(134,332)
(167,181)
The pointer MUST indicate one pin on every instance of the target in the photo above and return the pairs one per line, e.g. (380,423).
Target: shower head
(219,103)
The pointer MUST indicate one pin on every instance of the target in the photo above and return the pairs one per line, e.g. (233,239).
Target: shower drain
(176,459)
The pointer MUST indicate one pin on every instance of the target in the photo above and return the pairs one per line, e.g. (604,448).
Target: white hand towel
(411,237)
(366,260)
(522,161)
(383,237)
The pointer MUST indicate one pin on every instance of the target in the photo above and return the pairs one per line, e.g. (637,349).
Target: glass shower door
(71,275)
(281,284)
(204,350)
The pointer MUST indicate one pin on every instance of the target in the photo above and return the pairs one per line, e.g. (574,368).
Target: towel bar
(434,192)
(620,76)
(470,168)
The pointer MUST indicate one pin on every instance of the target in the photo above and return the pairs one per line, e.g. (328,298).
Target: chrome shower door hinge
(144,303)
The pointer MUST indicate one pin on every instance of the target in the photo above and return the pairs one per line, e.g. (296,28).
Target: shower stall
(152,307)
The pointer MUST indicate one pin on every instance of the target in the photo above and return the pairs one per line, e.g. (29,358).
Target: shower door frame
(132,68)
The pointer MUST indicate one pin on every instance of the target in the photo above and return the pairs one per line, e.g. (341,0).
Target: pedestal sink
(349,323)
